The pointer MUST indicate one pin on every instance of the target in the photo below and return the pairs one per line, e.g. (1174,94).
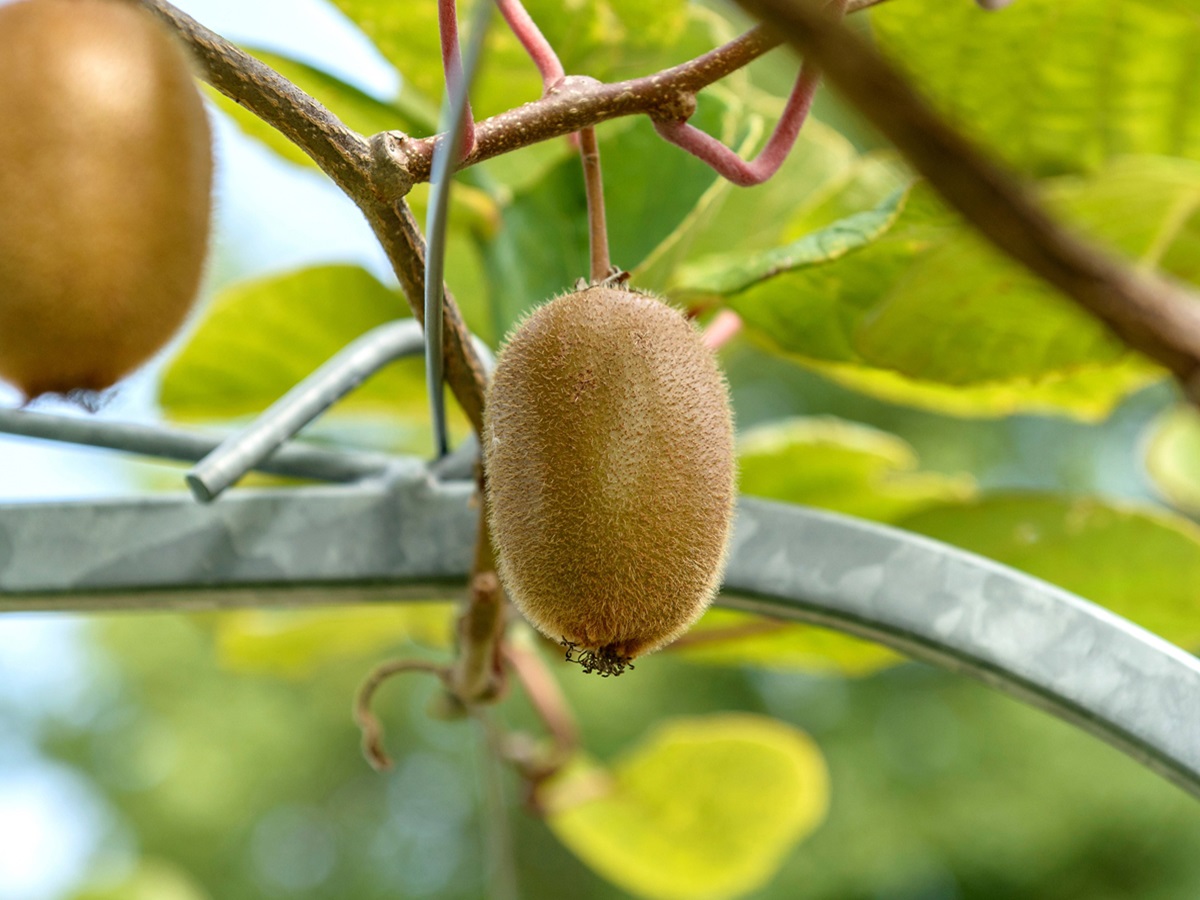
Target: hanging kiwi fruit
(609,457)
(105,180)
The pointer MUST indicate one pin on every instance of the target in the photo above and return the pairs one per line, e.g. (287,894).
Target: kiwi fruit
(609,461)
(105,181)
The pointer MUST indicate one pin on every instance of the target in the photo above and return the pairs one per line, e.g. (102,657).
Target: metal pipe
(409,536)
(445,158)
(345,371)
(290,460)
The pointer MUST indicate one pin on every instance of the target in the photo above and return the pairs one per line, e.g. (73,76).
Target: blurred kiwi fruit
(105,181)
(609,460)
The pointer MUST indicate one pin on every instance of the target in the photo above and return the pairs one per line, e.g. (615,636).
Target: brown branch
(361,168)
(343,155)
(577,102)
(1157,318)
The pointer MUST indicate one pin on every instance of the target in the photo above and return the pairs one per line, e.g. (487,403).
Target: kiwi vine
(377,173)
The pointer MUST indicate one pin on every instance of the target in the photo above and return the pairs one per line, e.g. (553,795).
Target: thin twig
(534,42)
(1151,315)
(577,102)
(368,722)
(452,66)
(722,329)
(546,698)
(724,161)
(550,67)
(478,676)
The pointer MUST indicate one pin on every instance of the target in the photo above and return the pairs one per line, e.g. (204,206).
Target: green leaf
(259,338)
(1057,85)
(729,220)
(294,644)
(964,314)
(1141,563)
(725,637)
(843,467)
(930,315)
(734,273)
(600,38)
(704,808)
(1173,458)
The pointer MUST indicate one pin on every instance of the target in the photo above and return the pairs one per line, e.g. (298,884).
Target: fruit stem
(593,180)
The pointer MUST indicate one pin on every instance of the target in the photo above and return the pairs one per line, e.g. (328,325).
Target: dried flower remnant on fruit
(105,177)
(602,661)
(610,469)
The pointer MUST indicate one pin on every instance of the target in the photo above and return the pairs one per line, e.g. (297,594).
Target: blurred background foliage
(891,367)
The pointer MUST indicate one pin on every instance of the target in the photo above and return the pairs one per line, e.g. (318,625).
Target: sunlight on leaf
(731,274)
(703,808)
(1173,458)
(928,314)
(295,643)
(735,222)
(1088,394)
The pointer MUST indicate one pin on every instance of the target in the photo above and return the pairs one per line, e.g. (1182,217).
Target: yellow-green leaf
(704,809)
(259,338)
(726,637)
(1057,85)
(295,643)
(843,467)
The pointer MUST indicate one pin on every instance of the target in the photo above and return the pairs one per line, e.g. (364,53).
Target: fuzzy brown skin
(610,468)
(105,178)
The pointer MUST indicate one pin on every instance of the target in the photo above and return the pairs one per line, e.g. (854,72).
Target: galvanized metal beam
(408,536)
